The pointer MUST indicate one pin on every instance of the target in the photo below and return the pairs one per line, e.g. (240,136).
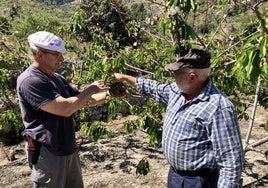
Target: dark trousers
(207,179)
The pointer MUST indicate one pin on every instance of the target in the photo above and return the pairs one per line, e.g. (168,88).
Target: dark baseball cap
(192,58)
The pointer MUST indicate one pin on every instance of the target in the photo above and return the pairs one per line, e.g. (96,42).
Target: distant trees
(106,36)
(100,18)
(58,2)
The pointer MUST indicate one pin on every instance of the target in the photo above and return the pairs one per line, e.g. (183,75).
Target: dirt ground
(111,162)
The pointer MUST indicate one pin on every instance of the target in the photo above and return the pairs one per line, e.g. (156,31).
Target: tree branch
(255,8)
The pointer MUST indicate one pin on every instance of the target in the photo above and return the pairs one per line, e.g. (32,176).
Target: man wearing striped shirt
(201,136)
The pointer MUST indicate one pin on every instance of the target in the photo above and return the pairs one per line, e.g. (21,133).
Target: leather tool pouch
(33,150)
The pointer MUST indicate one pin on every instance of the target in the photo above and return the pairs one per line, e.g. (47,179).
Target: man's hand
(98,86)
(123,77)
(119,76)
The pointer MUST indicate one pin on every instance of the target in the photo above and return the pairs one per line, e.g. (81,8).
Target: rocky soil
(111,162)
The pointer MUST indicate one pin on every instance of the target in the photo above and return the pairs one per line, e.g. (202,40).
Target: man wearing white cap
(47,103)
(201,138)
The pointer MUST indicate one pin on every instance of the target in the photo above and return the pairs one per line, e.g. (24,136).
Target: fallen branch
(10,157)
(255,181)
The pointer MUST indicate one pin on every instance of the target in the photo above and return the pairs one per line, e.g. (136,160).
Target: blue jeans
(208,180)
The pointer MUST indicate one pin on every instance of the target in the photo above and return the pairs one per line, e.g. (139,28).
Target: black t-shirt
(35,89)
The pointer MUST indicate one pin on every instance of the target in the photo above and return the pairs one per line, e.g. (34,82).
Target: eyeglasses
(56,54)
(177,72)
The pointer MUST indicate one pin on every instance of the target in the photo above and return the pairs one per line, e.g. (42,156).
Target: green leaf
(143,167)
(266,127)
(254,71)
(263,47)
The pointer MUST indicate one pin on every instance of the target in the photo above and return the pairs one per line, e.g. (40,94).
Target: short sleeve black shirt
(35,89)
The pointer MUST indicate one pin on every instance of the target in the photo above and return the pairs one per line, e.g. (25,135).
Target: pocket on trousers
(39,176)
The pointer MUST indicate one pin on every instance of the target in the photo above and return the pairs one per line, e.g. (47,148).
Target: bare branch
(138,69)
(255,8)
(223,19)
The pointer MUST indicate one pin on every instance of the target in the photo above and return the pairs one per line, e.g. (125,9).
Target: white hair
(33,46)
(32,51)
(203,74)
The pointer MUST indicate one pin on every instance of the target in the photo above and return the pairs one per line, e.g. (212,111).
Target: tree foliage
(101,17)
(106,39)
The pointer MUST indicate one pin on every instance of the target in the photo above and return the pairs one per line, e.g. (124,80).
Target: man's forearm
(97,99)
(127,78)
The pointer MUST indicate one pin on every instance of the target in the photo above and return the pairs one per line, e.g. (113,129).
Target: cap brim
(174,66)
(61,49)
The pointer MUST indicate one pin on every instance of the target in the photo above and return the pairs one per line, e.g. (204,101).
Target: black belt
(199,172)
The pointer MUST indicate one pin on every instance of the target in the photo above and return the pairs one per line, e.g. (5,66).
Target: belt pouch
(33,150)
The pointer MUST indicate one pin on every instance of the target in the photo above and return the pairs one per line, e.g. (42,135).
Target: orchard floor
(111,162)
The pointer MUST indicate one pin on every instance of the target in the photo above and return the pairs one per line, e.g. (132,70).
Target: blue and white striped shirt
(202,133)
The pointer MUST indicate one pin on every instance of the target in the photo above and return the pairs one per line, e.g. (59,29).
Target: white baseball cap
(46,40)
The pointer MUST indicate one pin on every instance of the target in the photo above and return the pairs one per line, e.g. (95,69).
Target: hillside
(112,161)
